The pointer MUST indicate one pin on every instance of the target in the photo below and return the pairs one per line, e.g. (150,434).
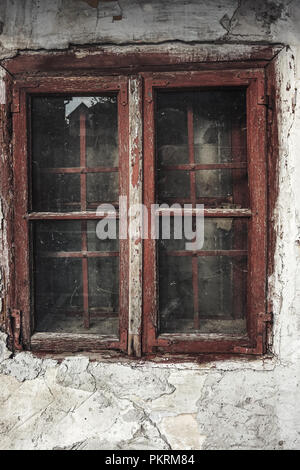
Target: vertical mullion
(135,219)
(150,310)
(83,176)
(190,117)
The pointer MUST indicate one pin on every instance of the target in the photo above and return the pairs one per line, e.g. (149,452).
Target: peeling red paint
(135,176)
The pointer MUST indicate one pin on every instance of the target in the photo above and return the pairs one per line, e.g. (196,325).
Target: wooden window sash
(23,217)
(254,342)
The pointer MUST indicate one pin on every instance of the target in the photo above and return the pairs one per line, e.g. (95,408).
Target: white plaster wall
(80,404)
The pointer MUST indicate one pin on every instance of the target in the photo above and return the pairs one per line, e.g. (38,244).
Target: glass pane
(56,192)
(219,233)
(102,133)
(222,282)
(219,119)
(203,291)
(201,127)
(55,136)
(65,272)
(221,184)
(104,293)
(171,128)
(221,296)
(176,311)
(53,236)
(58,299)
(109,244)
(102,187)
(70,134)
(173,185)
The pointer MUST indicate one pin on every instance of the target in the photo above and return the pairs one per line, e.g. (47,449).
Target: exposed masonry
(79,403)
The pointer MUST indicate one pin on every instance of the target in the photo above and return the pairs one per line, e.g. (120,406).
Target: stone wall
(81,403)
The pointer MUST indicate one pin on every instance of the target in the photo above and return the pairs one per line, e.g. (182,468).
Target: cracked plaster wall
(83,404)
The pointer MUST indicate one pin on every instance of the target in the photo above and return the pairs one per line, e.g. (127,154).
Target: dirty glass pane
(203,293)
(200,127)
(219,233)
(102,188)
(221,184)
(222,284)
(221,307)
(55,136)
(174,185)
(56,192)
(102,133)
(58,299)
(171,128)
(217,117)
(109,244)
(71,133)
(63,273)
(54,236)
(104,293)
(176,311)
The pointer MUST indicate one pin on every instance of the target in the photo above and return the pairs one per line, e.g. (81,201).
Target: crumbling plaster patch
(36,25)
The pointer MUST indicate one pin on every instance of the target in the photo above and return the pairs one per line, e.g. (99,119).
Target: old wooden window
(205,143)
(157,138)
(76,160)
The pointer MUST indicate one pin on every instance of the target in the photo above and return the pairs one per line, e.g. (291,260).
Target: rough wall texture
(79,404)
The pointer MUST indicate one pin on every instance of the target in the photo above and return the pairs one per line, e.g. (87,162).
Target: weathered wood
(78,254)
(254,81)
(135,216)
(206,212)
(204,253)
(62,342)
(143,57)
(23,217)
(80,169)
(6,200)
(84,215)
(205,166)
(257,241)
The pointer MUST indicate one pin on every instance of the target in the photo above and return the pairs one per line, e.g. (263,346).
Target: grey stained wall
(83,404)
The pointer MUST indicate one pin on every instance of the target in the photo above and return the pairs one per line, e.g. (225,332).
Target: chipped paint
(135,216)
(2,87)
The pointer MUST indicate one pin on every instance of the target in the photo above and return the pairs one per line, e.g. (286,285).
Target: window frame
(23,282)
(254,82)
(138,323)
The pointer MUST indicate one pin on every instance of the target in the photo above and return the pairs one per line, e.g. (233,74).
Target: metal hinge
(14,329)
(265,100)
(263,319)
